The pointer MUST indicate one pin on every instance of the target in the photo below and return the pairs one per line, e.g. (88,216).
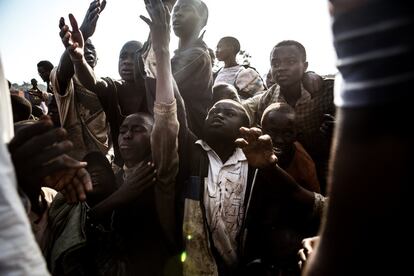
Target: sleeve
(164,146)
(63,100)
(249,82)
(252,105)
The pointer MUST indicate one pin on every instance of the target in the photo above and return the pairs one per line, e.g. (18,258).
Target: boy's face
(90,55)
(287,65)
(126,62)
(224,50)
(43,73)
(101,181)
(134,138)
(185,18)
(224,119)
(281,128)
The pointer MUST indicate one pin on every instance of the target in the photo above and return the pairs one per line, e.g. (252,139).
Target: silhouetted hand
(88,25)
(137,182)
(159,23)
(258,148)
(72,183)
(38,153)
(72,40)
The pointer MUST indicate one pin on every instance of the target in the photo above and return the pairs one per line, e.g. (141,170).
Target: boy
(279,122)
(246,79)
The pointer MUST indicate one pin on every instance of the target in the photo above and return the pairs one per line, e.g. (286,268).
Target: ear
(305,65)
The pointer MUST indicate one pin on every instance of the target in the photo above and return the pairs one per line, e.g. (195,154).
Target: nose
(127,135)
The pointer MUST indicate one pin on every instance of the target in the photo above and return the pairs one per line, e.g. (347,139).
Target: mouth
(124,147)
(217,122)
(126,71)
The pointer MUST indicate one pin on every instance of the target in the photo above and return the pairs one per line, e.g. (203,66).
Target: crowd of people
(176,169)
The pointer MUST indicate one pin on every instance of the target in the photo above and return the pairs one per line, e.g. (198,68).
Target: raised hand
(72,40)
(159,23)
(72,183)
(258,148)
(88,25)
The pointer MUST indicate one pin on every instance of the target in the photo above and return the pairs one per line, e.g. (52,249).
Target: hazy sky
(29,31)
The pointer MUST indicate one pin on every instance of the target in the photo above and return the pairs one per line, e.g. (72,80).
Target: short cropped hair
(22,108)
(45,64)
(279,107)
(233,42)
(298,45)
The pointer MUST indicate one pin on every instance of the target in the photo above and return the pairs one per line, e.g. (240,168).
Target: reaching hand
(91,18)
(72,40)
(39,155)
(72,183)
(159,23)
(258,148)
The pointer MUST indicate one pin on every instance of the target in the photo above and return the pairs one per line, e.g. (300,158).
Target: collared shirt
(224,200)
(309,111)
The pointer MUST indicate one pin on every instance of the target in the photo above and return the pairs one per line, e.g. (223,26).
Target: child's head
(127,59)
(189,17)
(22,108)
(90,53)
(227,47)
(134,138)
(102,176)
(288,63)
(278,121)
(224,120)
(222,91)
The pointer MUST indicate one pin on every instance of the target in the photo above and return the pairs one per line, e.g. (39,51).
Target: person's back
(370,206)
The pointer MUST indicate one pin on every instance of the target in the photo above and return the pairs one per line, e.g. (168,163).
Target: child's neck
(292,93)
(224,150)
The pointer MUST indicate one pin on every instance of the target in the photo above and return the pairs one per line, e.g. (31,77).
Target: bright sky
(29,31)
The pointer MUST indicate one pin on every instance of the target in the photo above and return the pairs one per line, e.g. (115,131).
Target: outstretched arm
(65,69)
(164,136)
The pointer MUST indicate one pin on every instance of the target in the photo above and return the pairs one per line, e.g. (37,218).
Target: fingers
(60,163)
(52,152)
(79,189)
(73,23)
(25,134)
(146,20)
(103,5)
(61,23)
(241,143)
(39,142)
(85,179)
(250,134)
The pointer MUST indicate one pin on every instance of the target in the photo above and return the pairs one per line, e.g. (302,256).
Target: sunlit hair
(294,43)
(45,64)
(279,107)
(247,122)
(233,42)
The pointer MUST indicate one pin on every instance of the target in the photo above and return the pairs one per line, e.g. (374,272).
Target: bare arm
(65,69)
(164,136)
